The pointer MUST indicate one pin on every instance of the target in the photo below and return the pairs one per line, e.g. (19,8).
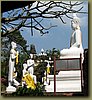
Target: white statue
(11,77)
(24,69)
(75,42)
(30,68)
(76,38)
(16,83)
(30,64)
(24,72)
(45,80)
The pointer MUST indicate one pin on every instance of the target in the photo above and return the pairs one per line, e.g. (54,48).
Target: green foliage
(24,91)
(5,47)
(3,83)
(17,37)
(39,70)
(53,53)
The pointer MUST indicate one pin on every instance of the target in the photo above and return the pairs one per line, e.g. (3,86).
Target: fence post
(54,76)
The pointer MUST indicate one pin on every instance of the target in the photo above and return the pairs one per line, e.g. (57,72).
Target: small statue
(24,73)
(48,68)
(30,64)
(45,80)
(28,78)
(11,77)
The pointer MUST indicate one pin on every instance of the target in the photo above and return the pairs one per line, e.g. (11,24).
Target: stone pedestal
(10,89)
(66,81)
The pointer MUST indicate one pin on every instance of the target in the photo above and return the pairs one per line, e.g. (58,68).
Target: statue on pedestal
(75,42)
(28,78)
(11,76)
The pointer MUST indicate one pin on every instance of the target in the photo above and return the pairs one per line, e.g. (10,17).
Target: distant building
(42,52)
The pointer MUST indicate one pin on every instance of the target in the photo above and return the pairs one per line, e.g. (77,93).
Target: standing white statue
(30,68)
(75,42)
(11,77)
(30,64)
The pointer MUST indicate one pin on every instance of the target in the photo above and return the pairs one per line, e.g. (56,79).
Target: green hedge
(24,91)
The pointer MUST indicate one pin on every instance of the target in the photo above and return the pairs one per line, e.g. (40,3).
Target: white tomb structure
(66,81)
(69,80)
(11,78)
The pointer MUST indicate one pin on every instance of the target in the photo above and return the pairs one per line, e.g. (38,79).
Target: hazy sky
(58,37)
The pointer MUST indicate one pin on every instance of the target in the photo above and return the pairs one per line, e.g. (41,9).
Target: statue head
(75,23)
(25,65)
(31,56)
(13,44)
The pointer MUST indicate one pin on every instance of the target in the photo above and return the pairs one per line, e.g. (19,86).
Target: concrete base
(10,89)
(66,81)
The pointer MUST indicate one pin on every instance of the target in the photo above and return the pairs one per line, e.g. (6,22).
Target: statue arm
(13,54)
(76,39)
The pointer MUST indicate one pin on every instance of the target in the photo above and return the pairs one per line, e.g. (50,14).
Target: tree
(53,53)
(32,15)
(14,5)
(39,71)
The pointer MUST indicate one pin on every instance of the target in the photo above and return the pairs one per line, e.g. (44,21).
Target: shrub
(24,91)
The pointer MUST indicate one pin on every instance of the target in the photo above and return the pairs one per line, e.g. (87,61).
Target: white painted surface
(10,89)
(66,81)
